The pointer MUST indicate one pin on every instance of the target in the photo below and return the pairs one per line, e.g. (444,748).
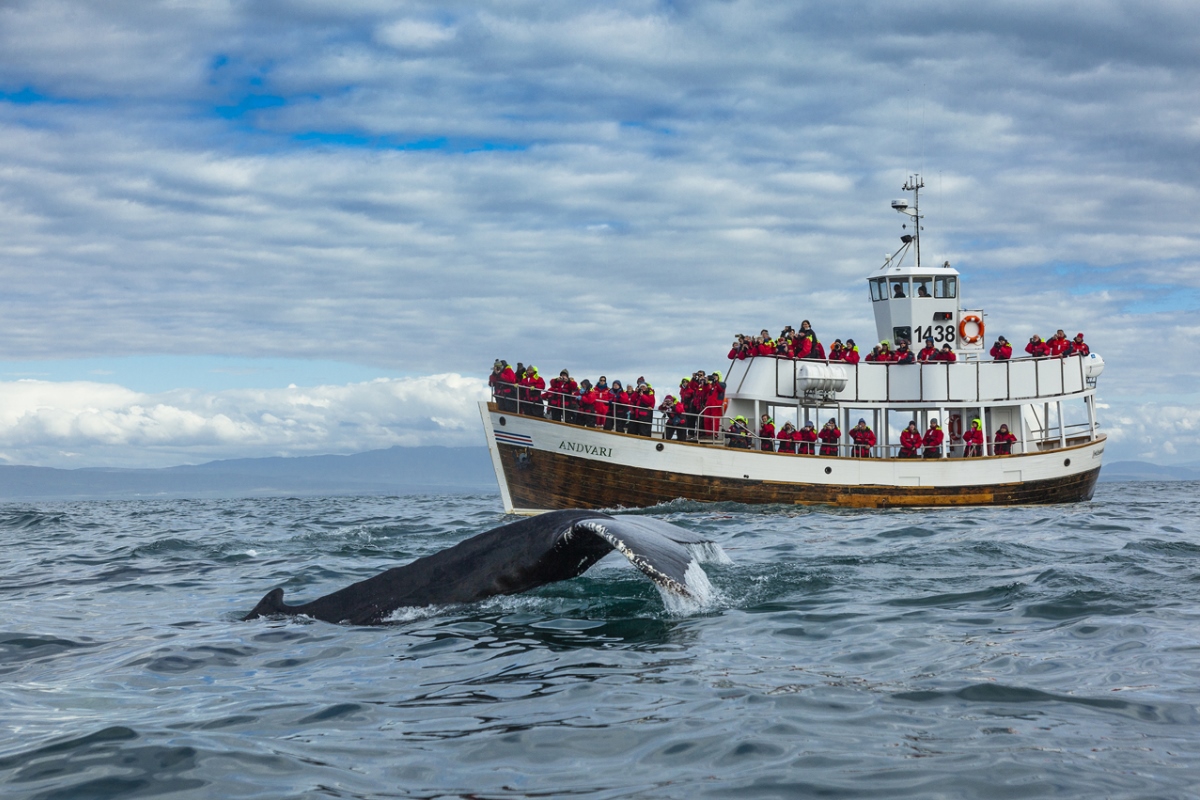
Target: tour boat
(1047,403)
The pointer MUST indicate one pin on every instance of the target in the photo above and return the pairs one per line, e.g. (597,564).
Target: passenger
(1058,343)
(818,349)
(1036,347)
(910,441)
(738,434)
(505,386)
(851,351)
(1001,350)
(603,402)
(783,347)
(787,438)
(836,351)
(766,434)
(876,354)
(643,411)
(863,438)
(904,355)
(1080,346)
(829,437)
(674,420)
(885,352)
(973,440)
(765,346)
(806,330)
(1003,441)
(947,354)
(560,388)
(802,346)
(587,404)
(806,439)
(928,352)
(618,412)
(933,440)
(531,393)
(714,404)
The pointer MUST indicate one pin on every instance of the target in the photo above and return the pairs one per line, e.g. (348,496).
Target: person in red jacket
(714,405)
(766,434)
(643,411)
(532,386)
(851,353)
(787,438)
(928,352)
(910,441)
(806,439)
(506,388)
(829,437)
(947,354)
(1001,350)
(818,349)
(1081,348)
(587,404)
(802,347)
(933,440)
(1036,347)
(836,351)
(603,403)
(618,409)
(973,440)
(1058,343)
(863,438)
(673,419)
(562,391)
(876,354)
(1003,441)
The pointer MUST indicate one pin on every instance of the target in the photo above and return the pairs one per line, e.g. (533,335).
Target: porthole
(503,421)
(829,470)
(1067,463)
(659,447)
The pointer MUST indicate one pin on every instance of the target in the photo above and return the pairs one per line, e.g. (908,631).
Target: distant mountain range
(396,471)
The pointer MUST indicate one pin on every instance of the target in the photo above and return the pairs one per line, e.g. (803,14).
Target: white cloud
(95,424)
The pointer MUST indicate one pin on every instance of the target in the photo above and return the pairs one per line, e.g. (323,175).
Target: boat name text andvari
(590,449)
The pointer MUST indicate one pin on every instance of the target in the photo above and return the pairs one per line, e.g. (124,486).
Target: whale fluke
(515,558)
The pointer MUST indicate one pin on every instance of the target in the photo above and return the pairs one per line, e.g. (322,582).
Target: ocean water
(974,653)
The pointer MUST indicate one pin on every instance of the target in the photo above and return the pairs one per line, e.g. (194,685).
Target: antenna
(914,185)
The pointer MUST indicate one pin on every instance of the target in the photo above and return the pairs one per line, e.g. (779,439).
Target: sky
(234,229)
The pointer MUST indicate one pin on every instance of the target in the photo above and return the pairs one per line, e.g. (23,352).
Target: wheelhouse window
(900,287)
(945,286)
(922,287)
(879,289)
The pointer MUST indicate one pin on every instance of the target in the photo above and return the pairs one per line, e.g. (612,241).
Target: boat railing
(958,382)
(710,427)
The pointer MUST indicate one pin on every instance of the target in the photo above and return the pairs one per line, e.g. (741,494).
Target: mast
(915,185)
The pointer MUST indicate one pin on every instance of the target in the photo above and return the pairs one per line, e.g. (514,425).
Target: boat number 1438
(939,333)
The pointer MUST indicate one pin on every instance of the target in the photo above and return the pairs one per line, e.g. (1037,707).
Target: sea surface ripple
(977,653)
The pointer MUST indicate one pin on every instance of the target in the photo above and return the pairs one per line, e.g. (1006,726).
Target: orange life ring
(962,329)
(724,406)
(954,425)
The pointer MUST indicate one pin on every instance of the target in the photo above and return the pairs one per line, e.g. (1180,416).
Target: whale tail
(270,605)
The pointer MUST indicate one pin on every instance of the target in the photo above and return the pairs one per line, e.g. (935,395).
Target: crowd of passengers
(804,344)
(612,407)
(913,444)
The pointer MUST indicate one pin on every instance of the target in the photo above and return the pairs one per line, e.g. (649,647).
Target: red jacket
(1057,346)
(864,440)
(1001,352)
(1003,442)
(850,355)
(946,355)
(829,438)
(928,353)
(531,388)
(1037,349)
(603,398)
(766,435)
(806,437)
(1081,348)
(787,440)
(802,348)
(910,443)
(933,438)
